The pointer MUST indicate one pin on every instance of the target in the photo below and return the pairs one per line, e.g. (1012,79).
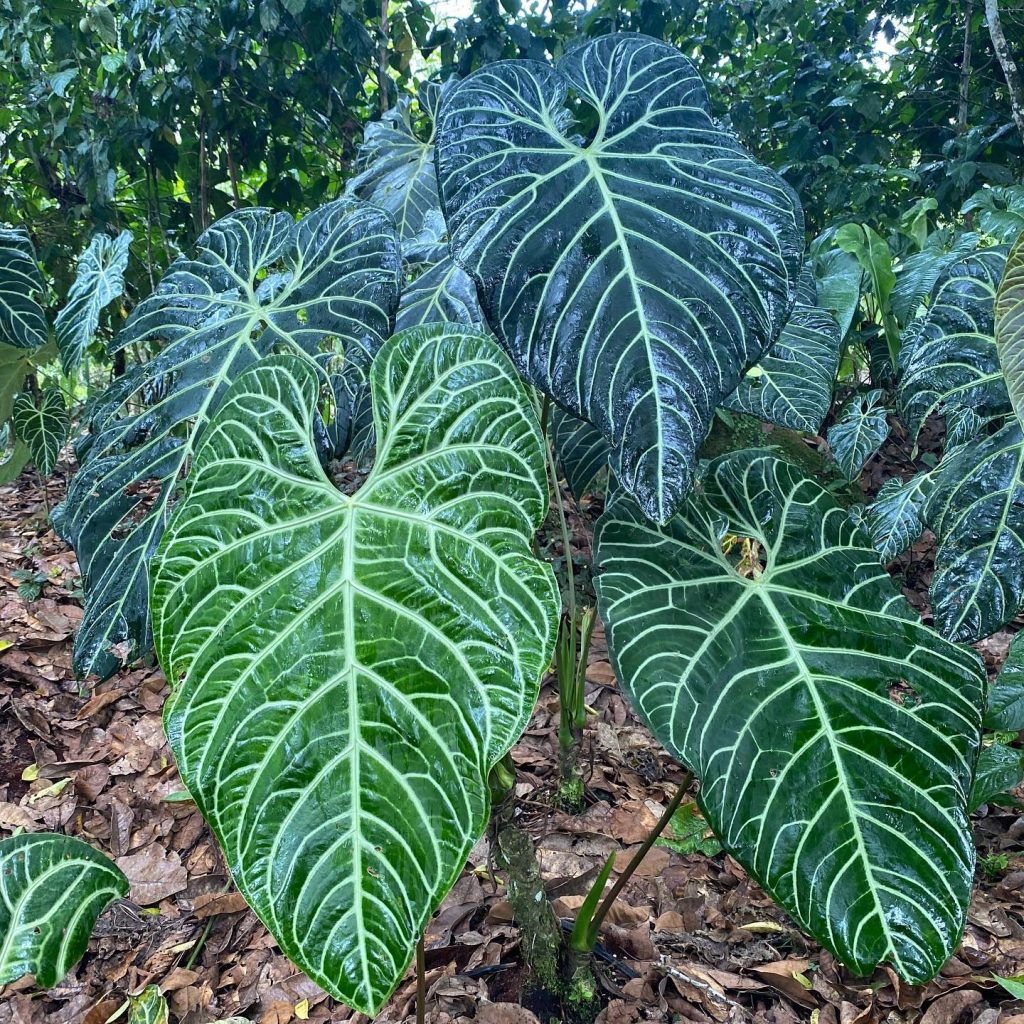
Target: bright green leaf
(148,1008)
(346,670)
(52,889)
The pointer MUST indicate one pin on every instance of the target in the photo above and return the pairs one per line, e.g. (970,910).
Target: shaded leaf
(838,276)
(365,686)
(1005,707)
(858,432)
(894,518)
(844,715)
(1009,326)
(22,321)
(949,361)
(99,279)
(792,385)
(52,889)
(919,273)
(442,293)
(1000,769)
(581,450)
(325,286)
(633,275)
(43,424)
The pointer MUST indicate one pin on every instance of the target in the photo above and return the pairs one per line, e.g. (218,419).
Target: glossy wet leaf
(42,424)
(324,287)
(580,448)
(346,670)
(396,170)
(894,518)
(22,320)
(948,362)
(633,263)
(976,511)
(875,258)
(441,293)
(1000,769)
(99,279)
(837,277)
(792,384)
(917,277)
(149,1007)
(1009,326)
(1005,708)
(858,432)
(52,889)
(998,212)
(833,733)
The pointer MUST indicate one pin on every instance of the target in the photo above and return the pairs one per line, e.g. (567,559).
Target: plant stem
(624,877)
(421,983)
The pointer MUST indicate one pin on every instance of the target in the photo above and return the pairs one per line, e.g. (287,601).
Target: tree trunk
(1007,63)
(965,69)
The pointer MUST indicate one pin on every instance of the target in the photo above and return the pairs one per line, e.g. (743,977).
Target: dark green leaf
(43,424)
(633,261)
(1009,326)
(833,733)
(919,273)
(894,518)
(1005,710)
(1000,769)
(442,293)
(22,321)
(858,432)
(581,450)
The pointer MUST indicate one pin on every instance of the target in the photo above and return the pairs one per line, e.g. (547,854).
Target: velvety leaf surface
(581,450)
(834,734)
(52,889)
(1000,769)
(858,432)
(894,518)
(976,510)
(99,280)
(634,261)
(346,670)
(22,321)
(792,385)
(948,361)
(330,287)
(43,424)
(442,293)
(1009,326)
(1005,709)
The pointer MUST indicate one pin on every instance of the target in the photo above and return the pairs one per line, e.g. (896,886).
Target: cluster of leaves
(346,669)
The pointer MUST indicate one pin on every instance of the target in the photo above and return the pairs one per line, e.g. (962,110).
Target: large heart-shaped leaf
(948,361)
(99,280)
(43,424)
(1009,326)
(396,170)
(835,735)
(858,432)
(328,284)
(22,320)
(52,889)
(629,254)
(792,384)
(976,510)
(346,670)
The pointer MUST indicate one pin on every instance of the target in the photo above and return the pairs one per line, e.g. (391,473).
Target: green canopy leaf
(52,889)
(325,287)
(629,254)
(99,280)
(833,733)
(1009,326)
(1005,708)
(858,432)
(43,424)
(792,385)
(948,362)
(346,670)
(22,321)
